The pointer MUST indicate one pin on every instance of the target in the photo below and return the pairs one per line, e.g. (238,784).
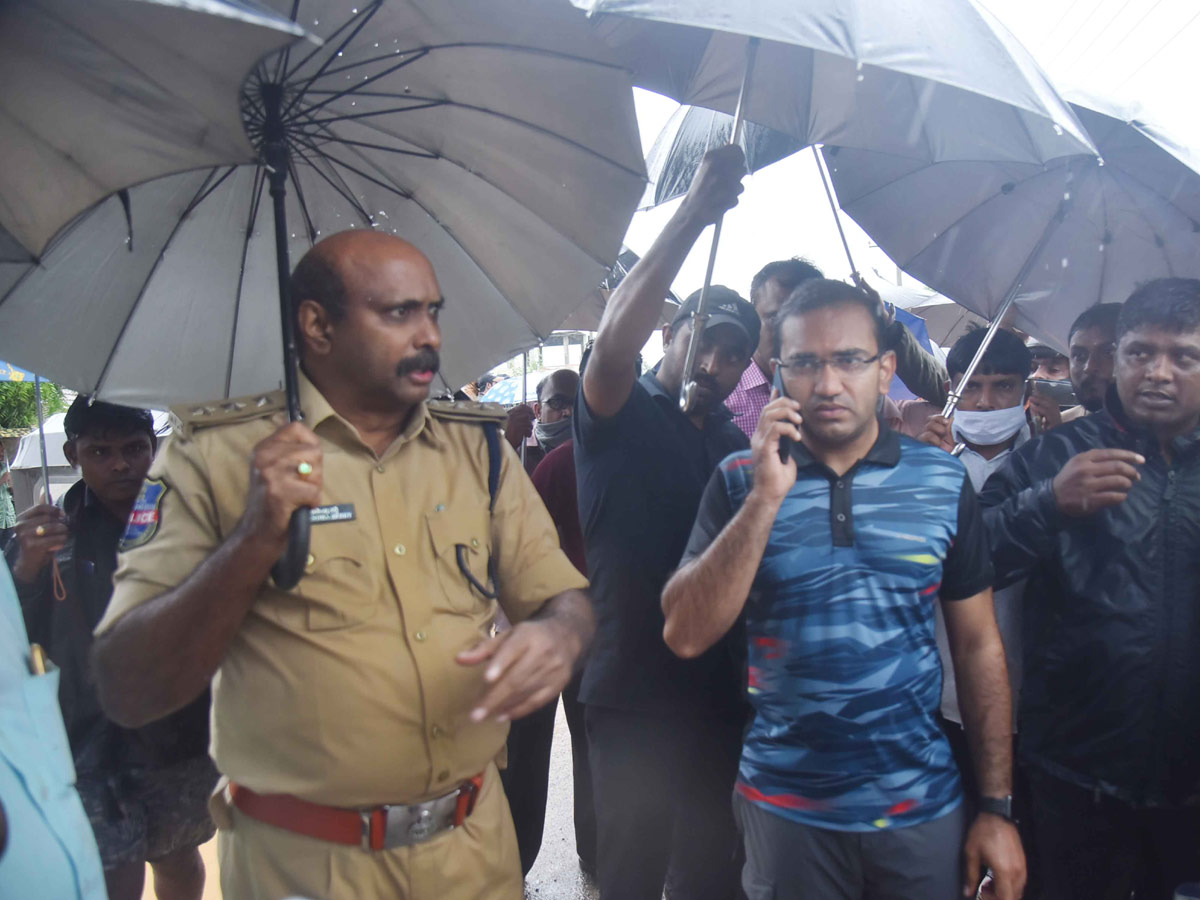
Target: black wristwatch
(997,806)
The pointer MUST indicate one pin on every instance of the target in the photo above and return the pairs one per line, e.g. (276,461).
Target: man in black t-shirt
(664,734)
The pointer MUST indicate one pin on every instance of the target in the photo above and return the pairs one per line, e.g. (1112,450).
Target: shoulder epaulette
(466,411)
(189,418)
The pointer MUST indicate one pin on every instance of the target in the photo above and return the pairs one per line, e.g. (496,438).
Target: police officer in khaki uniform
(358,716)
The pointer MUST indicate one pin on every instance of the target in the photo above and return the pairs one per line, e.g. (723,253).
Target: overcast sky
(1133,52)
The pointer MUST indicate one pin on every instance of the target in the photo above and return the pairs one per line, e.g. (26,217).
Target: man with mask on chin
(991,422)
(548,420)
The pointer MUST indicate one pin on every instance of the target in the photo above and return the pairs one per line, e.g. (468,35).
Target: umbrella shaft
(700,319)
(41,417)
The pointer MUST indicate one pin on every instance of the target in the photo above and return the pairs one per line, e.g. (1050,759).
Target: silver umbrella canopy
(100,95)
(1053,240)
(935,81)
(476,129)
(939,79)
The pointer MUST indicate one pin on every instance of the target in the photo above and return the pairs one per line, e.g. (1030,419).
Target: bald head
(335,266)
(367,307)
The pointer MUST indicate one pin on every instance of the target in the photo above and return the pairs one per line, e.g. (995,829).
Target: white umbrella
(102,94)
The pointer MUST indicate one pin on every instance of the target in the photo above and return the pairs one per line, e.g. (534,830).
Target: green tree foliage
(18,408)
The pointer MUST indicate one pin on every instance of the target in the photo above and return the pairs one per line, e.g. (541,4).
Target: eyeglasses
(810,366)
(558,402)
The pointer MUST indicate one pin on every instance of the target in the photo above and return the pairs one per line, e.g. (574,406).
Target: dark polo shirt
(640,475)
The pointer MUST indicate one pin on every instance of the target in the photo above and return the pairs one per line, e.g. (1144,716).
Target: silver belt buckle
(408,825)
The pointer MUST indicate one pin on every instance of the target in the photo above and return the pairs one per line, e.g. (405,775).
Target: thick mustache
(423,361)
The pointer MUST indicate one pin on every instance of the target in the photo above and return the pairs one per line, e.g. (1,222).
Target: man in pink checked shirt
(768,289)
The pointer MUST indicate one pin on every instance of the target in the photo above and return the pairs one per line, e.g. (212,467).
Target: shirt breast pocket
(462,557)
(340,588)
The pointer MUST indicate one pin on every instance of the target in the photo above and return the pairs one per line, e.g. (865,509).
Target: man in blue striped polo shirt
(835,551)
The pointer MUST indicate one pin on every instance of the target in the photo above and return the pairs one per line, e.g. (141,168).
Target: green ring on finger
(304,469)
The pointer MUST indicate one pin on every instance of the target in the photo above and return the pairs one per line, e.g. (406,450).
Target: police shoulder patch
(146,515)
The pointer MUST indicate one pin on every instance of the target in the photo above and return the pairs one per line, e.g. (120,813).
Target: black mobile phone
(785,443)
(1061,392)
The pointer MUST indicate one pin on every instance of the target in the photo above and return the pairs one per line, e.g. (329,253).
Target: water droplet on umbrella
(1065,262)
(407,89)
(377,43)
(1067,195)
(353,103)
(1058,129)
(340,53)
(354,11)
(316,21)
(1100,161)
(858,66)
(859,77)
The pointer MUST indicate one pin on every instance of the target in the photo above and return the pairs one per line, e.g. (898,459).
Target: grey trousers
(789,861)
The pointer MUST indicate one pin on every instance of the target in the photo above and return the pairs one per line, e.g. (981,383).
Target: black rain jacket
(1111,696)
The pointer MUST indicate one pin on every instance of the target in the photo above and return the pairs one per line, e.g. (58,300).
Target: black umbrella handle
(288,571)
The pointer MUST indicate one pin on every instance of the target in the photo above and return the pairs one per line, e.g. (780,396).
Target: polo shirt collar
(884,452)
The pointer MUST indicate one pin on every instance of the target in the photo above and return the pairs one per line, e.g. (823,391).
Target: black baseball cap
(725,307)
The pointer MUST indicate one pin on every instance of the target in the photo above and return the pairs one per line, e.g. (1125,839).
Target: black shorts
(143,814)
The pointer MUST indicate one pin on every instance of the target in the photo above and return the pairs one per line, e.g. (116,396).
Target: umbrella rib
(208,190)
(364,18)
(308,110)
(1158,239)
(286,56)
(475,45)
(145,281)
(429,104)
(312,229)
(474,174)
(418,154)
(255,200)
(322,46)
(331,137)
(345,192)
(450,233)
(432,102)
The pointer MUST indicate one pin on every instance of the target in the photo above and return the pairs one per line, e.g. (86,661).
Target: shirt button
(379,468)
(841,517)
(841,484)
(308,563)
(475,543)
(399,550)
(443,775)
(435,731)
(420,635)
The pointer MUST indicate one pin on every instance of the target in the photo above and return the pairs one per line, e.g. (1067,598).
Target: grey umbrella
(1048,240)
(477,129)
(933,81)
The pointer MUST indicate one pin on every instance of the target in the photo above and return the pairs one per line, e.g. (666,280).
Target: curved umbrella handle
(287,572)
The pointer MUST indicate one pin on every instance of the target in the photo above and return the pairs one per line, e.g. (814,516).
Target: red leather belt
(377,828)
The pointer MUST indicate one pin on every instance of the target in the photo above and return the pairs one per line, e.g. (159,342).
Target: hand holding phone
(785,443)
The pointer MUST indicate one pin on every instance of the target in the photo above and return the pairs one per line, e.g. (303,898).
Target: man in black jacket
(1103,516)
(145,791)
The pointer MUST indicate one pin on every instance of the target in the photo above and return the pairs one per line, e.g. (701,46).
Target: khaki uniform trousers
(477,861)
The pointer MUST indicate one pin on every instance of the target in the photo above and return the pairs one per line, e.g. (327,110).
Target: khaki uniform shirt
(345,690)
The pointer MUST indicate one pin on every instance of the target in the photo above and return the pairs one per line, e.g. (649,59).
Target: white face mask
(988,427)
